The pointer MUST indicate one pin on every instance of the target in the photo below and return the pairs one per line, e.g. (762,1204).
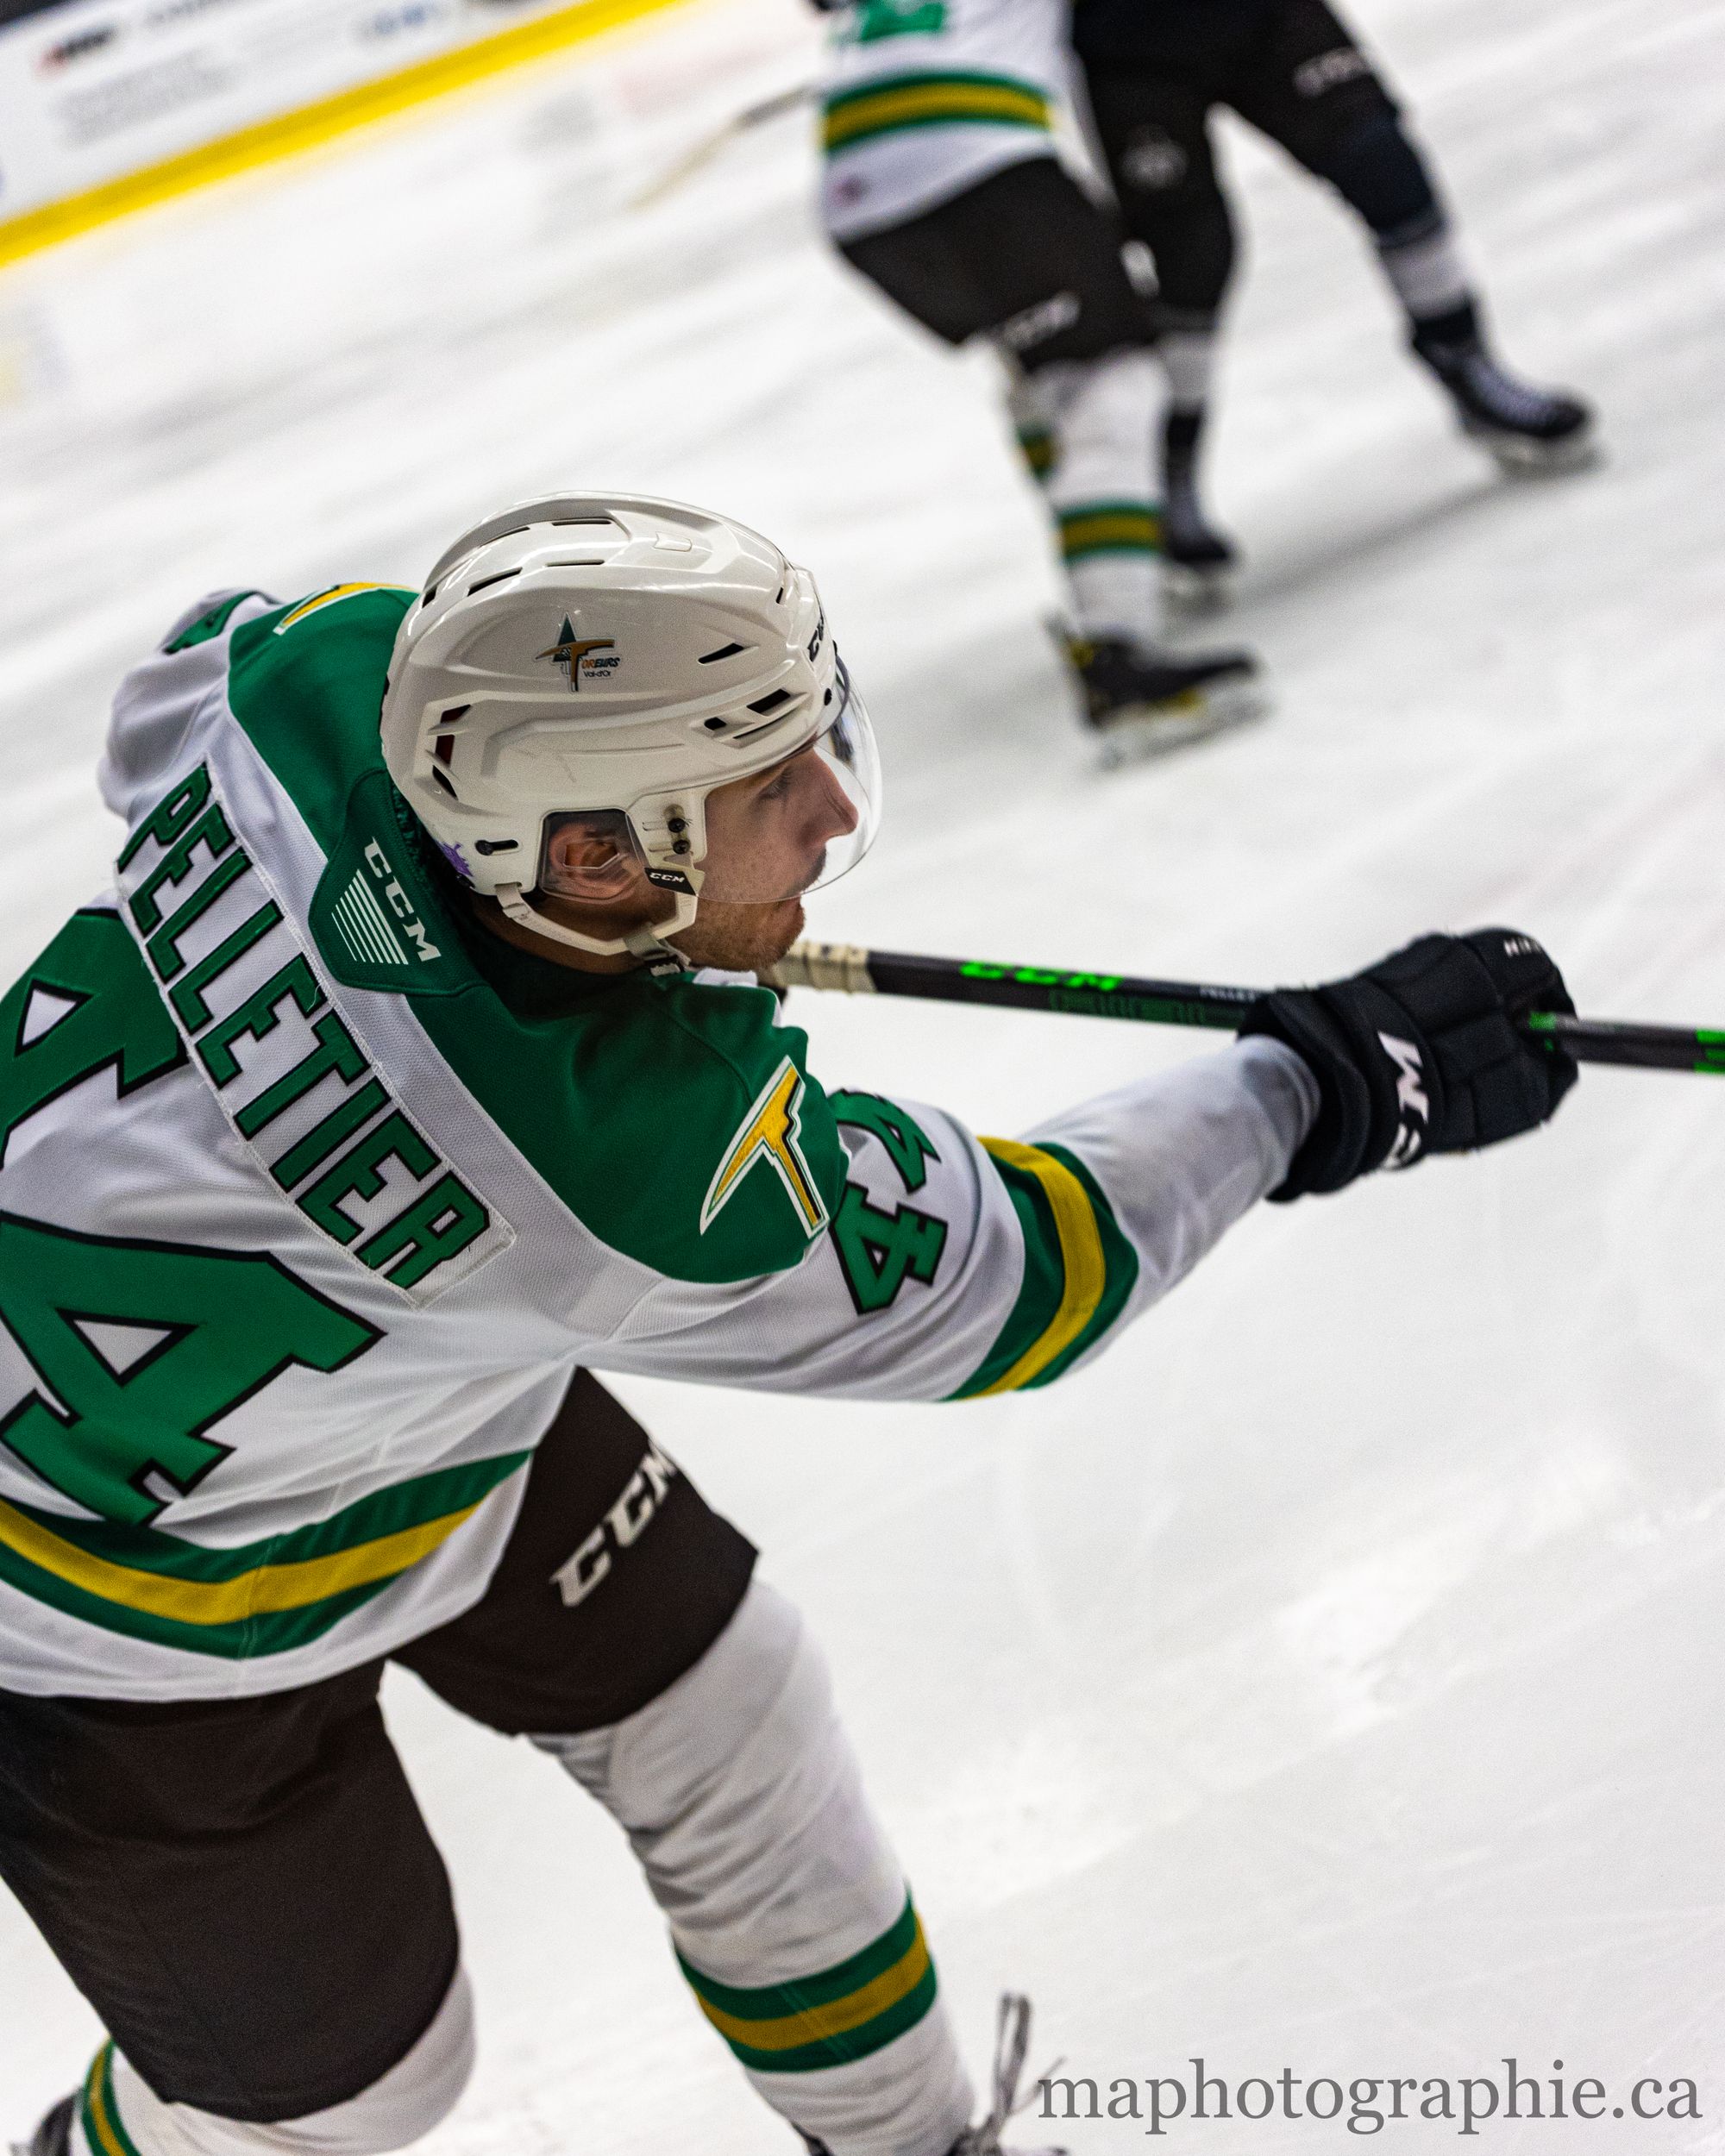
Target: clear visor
(800,823)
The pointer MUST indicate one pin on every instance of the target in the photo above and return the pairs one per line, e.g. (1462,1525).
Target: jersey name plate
(298,1087)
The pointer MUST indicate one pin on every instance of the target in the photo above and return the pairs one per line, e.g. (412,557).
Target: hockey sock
(743,1804)
(1382,176)
(1030,410)
(1188,354)
(1101,490)
(119,2115)
(1430,279)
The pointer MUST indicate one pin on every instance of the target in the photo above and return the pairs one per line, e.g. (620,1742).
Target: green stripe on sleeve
(1034,1348)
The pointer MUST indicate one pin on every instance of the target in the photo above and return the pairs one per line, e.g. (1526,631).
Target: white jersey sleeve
(955,1268)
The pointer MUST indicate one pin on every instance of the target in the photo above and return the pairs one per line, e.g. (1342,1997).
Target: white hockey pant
(744,1802)
(1089,428)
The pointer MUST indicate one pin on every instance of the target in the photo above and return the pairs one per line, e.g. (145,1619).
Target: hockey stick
(1105,995)
(703,153)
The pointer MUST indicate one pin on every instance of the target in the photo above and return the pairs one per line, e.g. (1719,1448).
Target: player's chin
(783,929)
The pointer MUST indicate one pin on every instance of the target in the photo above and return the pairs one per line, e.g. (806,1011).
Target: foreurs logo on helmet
(615,656)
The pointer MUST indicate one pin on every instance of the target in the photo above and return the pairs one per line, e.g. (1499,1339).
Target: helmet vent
(443,748)
(725,651)
(598,518)
(578,561)
(485,582)
(443,782)
(455,711)
(771,701)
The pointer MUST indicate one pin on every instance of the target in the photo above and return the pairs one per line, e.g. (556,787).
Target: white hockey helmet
(614,652)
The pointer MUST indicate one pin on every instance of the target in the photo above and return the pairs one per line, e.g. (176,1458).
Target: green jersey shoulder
(674,1116)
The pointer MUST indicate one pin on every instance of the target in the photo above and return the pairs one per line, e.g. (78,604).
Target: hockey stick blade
(850,967)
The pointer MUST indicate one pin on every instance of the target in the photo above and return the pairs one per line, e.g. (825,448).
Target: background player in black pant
(1156,70)
(1024,259)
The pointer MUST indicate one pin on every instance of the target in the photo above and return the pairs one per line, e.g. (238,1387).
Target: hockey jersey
(923,98)
(313,1194)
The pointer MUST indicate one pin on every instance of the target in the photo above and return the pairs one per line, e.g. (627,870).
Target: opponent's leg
(1154,133)
(1310,87)
(247,1894)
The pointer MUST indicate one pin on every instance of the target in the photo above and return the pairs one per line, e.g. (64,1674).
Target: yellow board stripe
(290,134)
(328,598)
(1081,1252)
(269,1588)
(785,2032)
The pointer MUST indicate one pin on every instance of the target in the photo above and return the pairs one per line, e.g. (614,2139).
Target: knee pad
(1189,231)
(416,2094)
(1373,167)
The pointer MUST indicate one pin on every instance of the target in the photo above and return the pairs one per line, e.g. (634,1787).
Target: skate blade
(1139,735)
(1193,588)
(1519,458)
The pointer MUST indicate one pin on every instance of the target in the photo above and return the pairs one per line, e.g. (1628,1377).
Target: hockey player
(404,1073)
(942,187)
(1156,70)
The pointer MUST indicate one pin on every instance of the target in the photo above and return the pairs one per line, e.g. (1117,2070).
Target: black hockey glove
(1422,1054)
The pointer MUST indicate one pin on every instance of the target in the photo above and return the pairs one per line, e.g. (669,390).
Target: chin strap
(648,942)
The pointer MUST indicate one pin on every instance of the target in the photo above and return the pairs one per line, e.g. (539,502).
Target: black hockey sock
(1181,434)
(1456,330)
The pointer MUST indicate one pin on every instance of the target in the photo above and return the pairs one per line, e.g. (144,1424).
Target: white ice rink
(1330,1678)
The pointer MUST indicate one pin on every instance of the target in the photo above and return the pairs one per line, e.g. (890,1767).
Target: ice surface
(1330,1678)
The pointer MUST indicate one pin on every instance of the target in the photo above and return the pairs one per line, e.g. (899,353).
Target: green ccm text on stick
(408,1073)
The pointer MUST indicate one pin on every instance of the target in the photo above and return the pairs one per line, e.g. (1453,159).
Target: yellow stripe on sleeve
(1081,1253)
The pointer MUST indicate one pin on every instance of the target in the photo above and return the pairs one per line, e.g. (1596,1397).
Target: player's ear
(591,860)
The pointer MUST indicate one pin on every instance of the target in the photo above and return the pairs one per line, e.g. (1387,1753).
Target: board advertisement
(93,90)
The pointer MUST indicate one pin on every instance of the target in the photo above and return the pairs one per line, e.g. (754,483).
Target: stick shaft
(848,966)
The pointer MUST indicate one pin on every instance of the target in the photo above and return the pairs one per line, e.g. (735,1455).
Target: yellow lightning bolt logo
(770,1132)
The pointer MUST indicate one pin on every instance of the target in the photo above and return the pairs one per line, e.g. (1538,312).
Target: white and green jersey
(923,98)
(313,1195)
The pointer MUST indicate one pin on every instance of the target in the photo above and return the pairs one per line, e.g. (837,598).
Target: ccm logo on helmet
(399,903)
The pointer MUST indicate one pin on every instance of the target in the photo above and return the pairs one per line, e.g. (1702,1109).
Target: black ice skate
(1197,562)
(53,2137)
(1526,429)
(1142,701)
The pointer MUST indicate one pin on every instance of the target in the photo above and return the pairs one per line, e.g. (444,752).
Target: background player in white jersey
(1156,70)
(941,184)
(406,1074)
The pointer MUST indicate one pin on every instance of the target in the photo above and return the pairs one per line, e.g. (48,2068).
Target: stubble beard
(740,939)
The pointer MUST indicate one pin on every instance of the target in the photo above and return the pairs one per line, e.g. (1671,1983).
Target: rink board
(111,108)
